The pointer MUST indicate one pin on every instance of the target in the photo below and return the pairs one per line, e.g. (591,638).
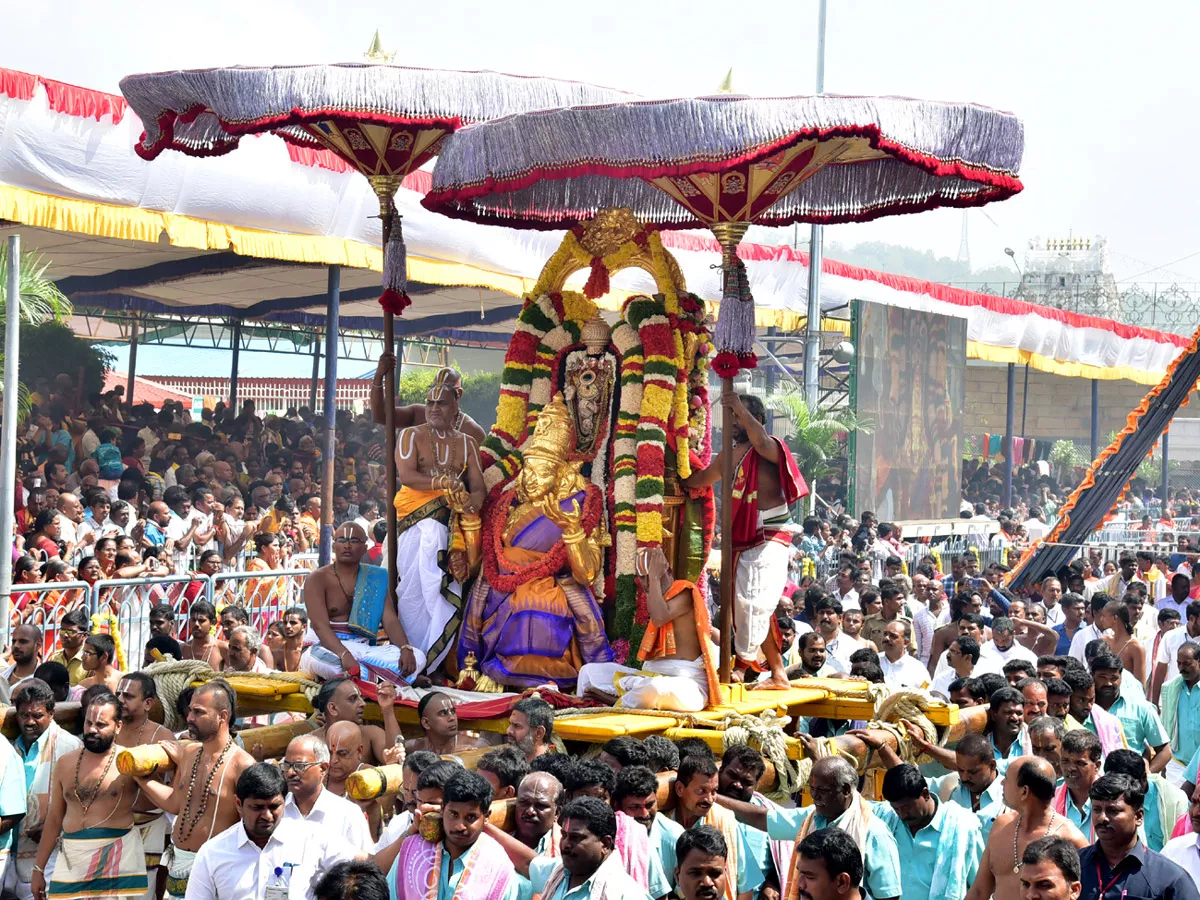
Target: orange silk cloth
(409,500)
(659,641)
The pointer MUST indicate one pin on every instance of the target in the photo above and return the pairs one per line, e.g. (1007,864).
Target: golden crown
(551,438)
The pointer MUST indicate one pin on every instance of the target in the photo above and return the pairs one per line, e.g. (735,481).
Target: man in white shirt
(1184,850)
(1035,526)
(1051,596)
(1166,666)
(1118,583)
(961,656)
(305,765)
(899,668)
(201,517)
(929,619)
(241,862)
(1090,632)
(838,644)
(1004,646)
(843,590)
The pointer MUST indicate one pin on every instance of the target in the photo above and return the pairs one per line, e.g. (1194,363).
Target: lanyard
(1105,887)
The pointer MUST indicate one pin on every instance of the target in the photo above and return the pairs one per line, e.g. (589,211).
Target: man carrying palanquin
(677,652)
(100,853)
(765,482)
(438,524)
(347,603)
(532,617)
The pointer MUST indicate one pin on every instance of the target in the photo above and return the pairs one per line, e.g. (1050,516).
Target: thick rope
(171,678)
(687,720)
(766,730)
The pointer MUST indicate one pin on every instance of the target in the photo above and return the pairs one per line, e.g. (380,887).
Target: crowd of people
(113,491)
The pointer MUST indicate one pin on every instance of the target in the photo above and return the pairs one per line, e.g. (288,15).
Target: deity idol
(532,617)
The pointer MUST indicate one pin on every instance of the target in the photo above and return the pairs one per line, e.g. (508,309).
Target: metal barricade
(265,595)
(44,605)
(308,560)
(131,600)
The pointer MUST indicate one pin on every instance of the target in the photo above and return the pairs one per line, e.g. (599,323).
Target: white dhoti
(429,619)
(380,661)
(762,573)
(179,868)
(154,829)
(679,685)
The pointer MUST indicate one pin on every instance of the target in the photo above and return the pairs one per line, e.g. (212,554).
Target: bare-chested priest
(91,818)
(340,700)
(202,792)
(347,604)
(438,529)
(678,658)
(411,414)
(1029,796)
(137,693)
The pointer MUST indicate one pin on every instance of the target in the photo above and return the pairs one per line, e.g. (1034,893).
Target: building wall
(1058,407)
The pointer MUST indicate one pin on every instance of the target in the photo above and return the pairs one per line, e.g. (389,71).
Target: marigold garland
(108,623)
(551,563)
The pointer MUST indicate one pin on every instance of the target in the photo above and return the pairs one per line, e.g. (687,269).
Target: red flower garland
(546,567)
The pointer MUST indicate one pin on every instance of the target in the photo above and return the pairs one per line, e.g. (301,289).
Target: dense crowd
(112,491)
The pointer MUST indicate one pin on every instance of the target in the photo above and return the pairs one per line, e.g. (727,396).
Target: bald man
(1029,794)
(346,748)
(414,413)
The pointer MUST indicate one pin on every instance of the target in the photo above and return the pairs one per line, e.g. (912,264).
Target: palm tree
(40,301)
(812,436)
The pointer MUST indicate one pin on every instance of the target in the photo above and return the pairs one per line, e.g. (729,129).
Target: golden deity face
(538,478)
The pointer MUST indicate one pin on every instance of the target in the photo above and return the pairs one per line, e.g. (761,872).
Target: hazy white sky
(1107,91)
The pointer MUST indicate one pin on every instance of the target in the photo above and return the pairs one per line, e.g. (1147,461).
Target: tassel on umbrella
(395,297)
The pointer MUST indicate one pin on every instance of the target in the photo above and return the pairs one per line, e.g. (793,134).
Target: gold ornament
(551,438)
(595,335)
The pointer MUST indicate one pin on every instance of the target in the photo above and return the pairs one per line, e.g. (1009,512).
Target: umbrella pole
(727,573)
(385,188)
(729,234)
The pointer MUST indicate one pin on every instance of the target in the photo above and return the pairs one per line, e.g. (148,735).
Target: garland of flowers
(108,623)
(555,559)
(624,478)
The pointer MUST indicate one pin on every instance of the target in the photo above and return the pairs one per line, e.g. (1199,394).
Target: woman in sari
(44,537)
(26,570)
(106,555)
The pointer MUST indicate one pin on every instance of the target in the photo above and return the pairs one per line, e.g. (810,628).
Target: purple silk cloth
(529,647)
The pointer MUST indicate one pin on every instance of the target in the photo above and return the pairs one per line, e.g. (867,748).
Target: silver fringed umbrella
(723,163)
(385,121)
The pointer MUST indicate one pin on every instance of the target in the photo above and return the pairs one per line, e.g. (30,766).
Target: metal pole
(1024,399)
(332,313)
(312,387)
(233,372)
(812,334)
(1008,434)
(1095,417)
(728,575)
(133,345)
(8,434)
(1165,460)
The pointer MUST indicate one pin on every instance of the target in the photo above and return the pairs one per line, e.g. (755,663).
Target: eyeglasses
(348,540)
(286,766)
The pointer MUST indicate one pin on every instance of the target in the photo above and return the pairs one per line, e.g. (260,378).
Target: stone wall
(1058,407)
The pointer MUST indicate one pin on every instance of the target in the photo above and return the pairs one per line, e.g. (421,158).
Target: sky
(1107,91)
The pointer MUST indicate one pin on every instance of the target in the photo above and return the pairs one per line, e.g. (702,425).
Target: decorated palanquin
(596,429)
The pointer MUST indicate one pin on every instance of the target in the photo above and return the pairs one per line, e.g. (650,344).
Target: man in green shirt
(1139,719)
(589,867)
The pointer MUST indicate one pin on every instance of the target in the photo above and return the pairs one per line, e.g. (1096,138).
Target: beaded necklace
(188,825)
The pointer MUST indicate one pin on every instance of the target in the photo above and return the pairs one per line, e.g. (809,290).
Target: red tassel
(748,360)
(394,302)
(597,283)
(725,364)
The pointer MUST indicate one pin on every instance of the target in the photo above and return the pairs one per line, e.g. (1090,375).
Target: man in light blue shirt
(836,804)
(1181,705)
(941,843)
(1081,756)
(636,795)
(589,865)
(1138,718)
(975,786)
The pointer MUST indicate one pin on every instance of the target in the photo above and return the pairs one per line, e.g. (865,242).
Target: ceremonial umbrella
(385,121)
(722,163)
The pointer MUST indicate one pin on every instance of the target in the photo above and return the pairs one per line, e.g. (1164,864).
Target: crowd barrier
(265,595)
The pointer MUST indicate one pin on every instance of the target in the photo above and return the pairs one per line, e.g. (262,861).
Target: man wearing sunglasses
(305,766)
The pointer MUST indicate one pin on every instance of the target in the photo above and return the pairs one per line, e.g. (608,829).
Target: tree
(481,392)
(52,348)
(813,438)
(40,301)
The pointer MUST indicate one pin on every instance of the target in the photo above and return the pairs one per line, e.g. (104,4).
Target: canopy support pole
(812,331)
(332,314)
(8,434)
(1165,466)
(1008,434)
(1024,399)
(316,372)
(133,345)
(1095,417)
(233,372)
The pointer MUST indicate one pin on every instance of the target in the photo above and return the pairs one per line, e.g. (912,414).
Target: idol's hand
(568,520)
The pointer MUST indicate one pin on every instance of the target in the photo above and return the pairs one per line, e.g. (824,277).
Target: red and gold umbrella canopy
(723,163)
(385,121)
